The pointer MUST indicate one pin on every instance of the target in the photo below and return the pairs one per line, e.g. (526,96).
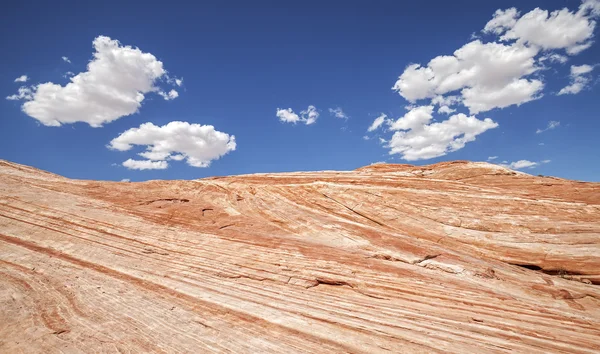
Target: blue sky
(240,62)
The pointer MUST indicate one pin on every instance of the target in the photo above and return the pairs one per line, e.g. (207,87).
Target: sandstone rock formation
(452,257)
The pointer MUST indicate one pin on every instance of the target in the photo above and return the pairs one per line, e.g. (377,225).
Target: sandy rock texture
(453,257)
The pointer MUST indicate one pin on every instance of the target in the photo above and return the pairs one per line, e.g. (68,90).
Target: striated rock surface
(452,257)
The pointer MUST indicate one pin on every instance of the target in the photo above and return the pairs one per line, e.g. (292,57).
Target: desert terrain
(456,257)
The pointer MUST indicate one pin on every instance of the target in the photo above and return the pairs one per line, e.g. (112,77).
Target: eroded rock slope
(452,257)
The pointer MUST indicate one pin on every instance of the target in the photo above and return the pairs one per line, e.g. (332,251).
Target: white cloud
(445,101)
(487,75)
(561,29)
(541,144)
(66,59)
(378,122)
(125,180)
(419,139)
(521,164)
(310,115)
(112,87)
(22,78)
(577,70)
(145,164)
(169,96)
(482,99)
(502,20)
(307,116)
(491,158)
(579,79)
(497,74)
(178,82)
(446,110)
(366,137)
(198,144)
(338,113)
(287,115)
(554,58)
(24,93)
(551,125)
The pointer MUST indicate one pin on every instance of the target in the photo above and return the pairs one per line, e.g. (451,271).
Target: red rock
(452,257)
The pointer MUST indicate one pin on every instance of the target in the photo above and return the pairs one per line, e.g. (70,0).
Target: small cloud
(554,58)
(169,96)
(125,180)
(579,79)
(377,163)
(491,158)
(178,82)
(22,78)
(66,60)
(145,164)
(541,144)
(308,116)
(522,164)
(338,113)
(446,110)
(551,125)
(24,93)
(177,157)
(378,122)
(366,137)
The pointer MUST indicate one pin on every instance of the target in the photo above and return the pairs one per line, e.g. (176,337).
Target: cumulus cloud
(22,78)
(551,125)
(561,29)
(417,138)
(198,144)
(378,122)
(487,75)
(492,158)
(114,86)
(497,74)
(66,59)
(338,113)
(287,116)
(307,116)
(579,79)
(125,180)
(522,164)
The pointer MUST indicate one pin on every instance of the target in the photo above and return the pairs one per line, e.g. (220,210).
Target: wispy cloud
(553,124)
(338,113)
(22,78)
